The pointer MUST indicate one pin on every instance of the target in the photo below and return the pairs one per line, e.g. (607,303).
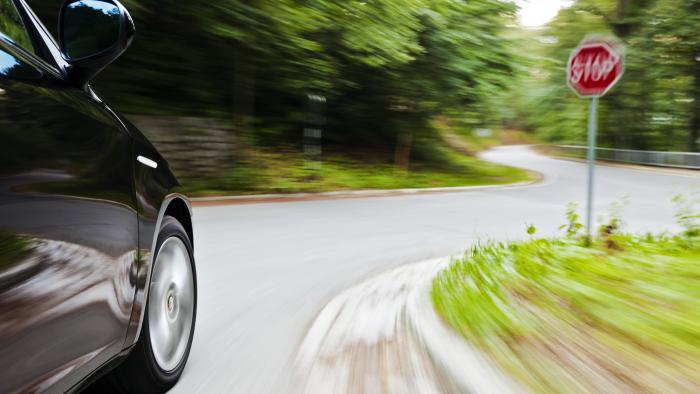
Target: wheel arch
(179,208)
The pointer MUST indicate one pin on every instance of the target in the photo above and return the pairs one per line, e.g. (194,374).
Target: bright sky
(535,13)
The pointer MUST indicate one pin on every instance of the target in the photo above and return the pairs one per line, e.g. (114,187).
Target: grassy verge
(272,172)
(556,152)
(622,315)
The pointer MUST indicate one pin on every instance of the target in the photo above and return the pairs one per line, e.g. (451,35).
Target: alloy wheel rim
(171,303)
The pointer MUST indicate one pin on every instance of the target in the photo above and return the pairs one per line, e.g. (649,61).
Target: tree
(672,27)
(655,105)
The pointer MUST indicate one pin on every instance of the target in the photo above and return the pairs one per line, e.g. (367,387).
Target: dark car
(97,276)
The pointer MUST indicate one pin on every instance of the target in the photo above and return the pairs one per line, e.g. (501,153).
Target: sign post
(592,129)
(594,67)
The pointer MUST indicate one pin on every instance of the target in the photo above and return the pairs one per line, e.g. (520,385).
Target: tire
(157,360)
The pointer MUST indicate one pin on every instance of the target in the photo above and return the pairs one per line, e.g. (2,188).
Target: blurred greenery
(287,172)
(656,105)
(386,68)
(395,75)
(11,25)
(623,313)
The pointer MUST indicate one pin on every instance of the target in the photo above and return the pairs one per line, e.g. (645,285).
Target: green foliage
(688,214)
(386,67)
(572,226)
(11,25)
(553,312)
(656,105)
(531,229)
(610,231)
(287,173)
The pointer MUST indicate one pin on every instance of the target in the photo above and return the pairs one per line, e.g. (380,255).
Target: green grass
(623,314)
(268,172)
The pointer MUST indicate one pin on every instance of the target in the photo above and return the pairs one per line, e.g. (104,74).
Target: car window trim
(29,57)
(47,52)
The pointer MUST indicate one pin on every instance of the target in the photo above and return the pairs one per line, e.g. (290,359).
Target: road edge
(348,194)
(389,319)
(465,367)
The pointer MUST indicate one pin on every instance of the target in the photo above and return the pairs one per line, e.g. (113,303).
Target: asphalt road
(266,270)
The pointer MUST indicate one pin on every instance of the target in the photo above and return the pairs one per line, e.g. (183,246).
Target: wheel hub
(171,303)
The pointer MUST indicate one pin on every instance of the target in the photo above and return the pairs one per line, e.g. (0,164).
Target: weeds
(688,214)
(560,316)
(572,226)
(531,230)
(609,231)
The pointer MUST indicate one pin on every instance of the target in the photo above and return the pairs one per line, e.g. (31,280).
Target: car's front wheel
(159,357)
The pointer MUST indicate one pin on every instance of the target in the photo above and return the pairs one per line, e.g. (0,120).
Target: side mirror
(92,34)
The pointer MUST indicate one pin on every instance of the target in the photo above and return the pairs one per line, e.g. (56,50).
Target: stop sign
(594,68)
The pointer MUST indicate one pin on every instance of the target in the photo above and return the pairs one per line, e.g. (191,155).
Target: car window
(11,26)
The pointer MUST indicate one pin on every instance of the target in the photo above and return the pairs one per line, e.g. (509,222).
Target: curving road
(266,270)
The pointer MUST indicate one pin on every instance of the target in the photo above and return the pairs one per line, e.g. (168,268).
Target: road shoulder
(294,197)
(544,150)
(384,335)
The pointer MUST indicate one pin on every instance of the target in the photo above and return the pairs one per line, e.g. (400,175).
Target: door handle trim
(147,162)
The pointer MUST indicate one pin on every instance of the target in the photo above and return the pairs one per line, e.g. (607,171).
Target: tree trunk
(402,155)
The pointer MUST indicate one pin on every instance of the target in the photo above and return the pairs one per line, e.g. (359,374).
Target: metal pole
(313,132)
(592,125)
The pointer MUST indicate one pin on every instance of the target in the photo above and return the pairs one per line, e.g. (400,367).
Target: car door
(68,224)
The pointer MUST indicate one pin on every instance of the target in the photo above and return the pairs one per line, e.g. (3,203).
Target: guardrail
(688,160)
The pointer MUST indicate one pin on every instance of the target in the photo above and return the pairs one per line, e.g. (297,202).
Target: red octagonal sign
(594,68)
